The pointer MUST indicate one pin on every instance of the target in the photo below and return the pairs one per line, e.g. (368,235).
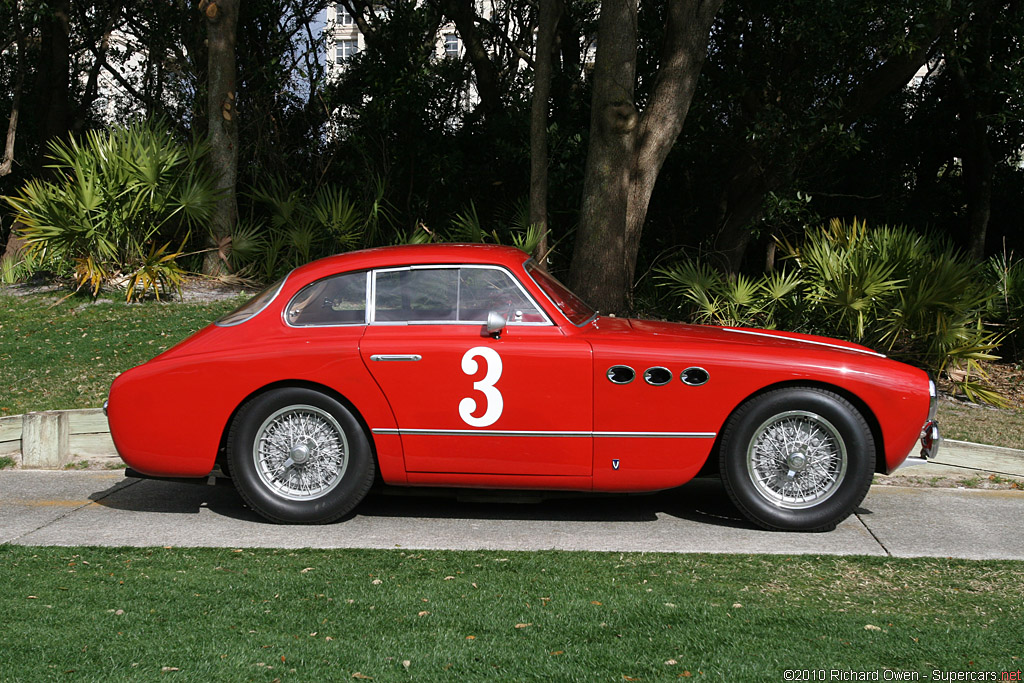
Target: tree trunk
(7,160)
(972,82)
(742,205)
(597,272)
(550,10)
(54,76)
(682,59)
(979,173)
(221,21)
(627,149)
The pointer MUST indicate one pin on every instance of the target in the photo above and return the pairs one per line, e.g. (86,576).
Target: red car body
(550,418)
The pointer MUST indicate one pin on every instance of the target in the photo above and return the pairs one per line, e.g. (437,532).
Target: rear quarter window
(253,306)
(335,300)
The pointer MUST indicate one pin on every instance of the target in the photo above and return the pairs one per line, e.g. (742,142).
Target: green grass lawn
(263,615)
(981,424)
(55,357)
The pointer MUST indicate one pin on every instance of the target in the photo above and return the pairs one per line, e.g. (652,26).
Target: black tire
(816,478)
(315,446)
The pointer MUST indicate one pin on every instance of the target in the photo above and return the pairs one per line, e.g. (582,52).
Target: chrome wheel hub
(796,459)
(797,462)
(300,452)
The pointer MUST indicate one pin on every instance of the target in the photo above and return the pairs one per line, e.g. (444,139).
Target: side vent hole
(694,377)
(621,374)
(657,376)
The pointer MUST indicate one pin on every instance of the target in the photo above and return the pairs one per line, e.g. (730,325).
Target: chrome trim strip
(805,341)
(552,434)
(396,356)
(655,435)
(369,297)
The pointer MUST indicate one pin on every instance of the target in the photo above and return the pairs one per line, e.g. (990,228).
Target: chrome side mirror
(495,324)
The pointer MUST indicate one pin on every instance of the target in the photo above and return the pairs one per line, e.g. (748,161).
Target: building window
(451,45)
(346,48)
(344,18)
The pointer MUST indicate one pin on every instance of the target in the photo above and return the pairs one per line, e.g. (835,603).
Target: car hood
(675,332)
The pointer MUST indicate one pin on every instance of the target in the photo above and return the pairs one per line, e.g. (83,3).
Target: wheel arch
(711,464)
(221,460)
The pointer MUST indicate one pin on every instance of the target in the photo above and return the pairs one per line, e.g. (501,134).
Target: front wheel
(797,459)
(298,456)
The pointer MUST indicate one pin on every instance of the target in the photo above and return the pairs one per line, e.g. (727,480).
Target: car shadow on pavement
(702,501)
(148,495)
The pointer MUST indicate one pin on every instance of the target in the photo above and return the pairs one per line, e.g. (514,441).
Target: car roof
(414,254)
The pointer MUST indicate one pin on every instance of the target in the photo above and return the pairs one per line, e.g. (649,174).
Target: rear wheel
(797,459)
(298,456)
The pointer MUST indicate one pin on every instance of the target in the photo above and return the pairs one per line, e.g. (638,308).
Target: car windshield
(571,306)
(251,307)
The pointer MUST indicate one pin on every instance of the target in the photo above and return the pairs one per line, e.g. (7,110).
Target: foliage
(116,197)
(778,130)
(913,296)
(519,232)
(295,225)
(710,297)
(18,267)
(1005,273)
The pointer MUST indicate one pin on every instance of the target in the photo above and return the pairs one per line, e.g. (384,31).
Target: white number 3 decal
(495,404)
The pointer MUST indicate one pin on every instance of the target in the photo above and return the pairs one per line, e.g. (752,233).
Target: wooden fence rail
(55,438)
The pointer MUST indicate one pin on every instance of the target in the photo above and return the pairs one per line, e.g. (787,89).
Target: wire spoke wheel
(796,459)
(300,452)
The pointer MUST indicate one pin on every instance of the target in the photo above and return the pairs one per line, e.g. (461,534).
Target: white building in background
(344,39)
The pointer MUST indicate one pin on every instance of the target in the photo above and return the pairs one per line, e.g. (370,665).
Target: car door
(467,402)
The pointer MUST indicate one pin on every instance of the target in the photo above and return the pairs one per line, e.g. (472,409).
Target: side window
(421,295)
(336,300)
(482,290)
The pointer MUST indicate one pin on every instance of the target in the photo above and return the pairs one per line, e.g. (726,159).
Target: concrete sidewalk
(104,508)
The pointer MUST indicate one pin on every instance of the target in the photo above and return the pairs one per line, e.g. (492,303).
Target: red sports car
(469,366)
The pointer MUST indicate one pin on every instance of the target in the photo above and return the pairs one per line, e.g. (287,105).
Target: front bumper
(931,439)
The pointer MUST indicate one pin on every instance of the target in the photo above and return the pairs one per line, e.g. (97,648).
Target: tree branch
(503,37)
(7,163)
(462,13)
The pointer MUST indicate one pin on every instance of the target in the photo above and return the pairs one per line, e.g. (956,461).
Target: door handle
(396,356)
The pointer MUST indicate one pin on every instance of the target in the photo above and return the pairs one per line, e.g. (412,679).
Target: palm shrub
(120,208)
(913,296)
(1005,273)
(293,225)
(705,295)
(519,232)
